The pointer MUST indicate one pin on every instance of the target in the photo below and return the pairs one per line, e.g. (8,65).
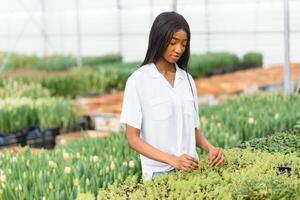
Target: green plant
(284,142)
(245,117)
(201,65)
(19,89)
(97,60)
(253,59)
(247,175)
(54,62)
(22,113)
(83,165)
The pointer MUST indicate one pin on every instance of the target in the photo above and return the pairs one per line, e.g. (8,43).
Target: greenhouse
(149,99)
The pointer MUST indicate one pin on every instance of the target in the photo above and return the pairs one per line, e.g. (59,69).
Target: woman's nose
(179,49)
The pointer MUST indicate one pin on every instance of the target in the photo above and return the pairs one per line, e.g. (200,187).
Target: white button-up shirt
(166,116)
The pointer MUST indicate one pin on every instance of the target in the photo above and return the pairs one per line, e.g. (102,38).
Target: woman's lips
(175,57)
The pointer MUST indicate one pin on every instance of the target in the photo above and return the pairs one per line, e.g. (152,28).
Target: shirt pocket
(160,108)
(188,107)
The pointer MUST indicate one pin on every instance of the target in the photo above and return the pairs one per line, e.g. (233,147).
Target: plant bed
(225,70)
(285,142)
(247,175)
(245,117)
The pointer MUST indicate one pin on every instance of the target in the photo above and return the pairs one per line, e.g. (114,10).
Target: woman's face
(176,47)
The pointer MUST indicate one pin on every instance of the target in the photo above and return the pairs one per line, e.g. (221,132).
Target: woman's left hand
(216,156)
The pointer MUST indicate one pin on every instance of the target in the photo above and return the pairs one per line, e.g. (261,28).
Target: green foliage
(246,117)
(22,113)
(54,62)
(88,81)
(253,59)
(76,82)
(17,61)
(81,166)
(97,60)
(284,142)
(201,65)
(247,175)
(19,89)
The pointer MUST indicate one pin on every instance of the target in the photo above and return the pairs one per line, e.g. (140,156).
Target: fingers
(191,160)
(188,163)
(218,159)
(192,164)
(222,161)
(213,157)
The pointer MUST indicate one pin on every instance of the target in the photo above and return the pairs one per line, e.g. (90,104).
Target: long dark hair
(162,30)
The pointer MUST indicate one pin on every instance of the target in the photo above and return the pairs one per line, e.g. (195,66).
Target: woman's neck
(165,67)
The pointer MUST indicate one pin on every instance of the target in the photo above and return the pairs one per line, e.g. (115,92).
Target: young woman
(160,109)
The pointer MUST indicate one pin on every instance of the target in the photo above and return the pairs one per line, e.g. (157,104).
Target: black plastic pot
(34,137)
(2,140)
(37,139)
(13,139)
(85,123)
(49,138)
(20,137)
(283,170)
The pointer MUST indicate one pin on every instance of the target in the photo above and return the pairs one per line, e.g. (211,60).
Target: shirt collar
(156,74)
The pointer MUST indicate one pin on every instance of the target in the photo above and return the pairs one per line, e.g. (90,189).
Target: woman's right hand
(184,162)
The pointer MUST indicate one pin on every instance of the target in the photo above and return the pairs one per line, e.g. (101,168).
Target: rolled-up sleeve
(131,110)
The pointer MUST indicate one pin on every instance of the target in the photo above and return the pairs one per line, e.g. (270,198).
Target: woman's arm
(202,142)
(184,162)
(216,156)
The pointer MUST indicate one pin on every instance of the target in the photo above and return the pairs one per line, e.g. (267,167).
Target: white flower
(112,166)
(52,164)
(27,163)
(40,174)
(277,116)
(44,198)
(251,120)
(131,164)
(67,170)
(14,159)
(66,156)
(95,159)
(20,187)
(219,125)
(24,175)
(3,178)
(50,185)
(77,155)
(76,182)
(203,120)
(62,141)
(87,181)
(125,164)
